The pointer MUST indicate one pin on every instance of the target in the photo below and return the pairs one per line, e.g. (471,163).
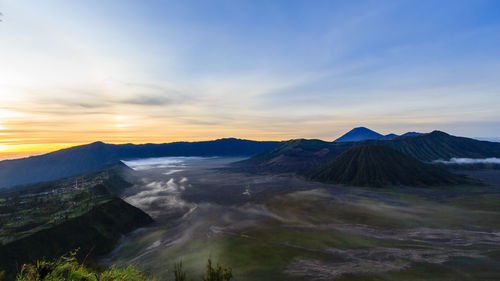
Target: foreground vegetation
(68,268)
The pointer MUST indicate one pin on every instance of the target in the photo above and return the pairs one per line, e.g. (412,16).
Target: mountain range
(298,156)
(363,133)
(84,158)
(304,155)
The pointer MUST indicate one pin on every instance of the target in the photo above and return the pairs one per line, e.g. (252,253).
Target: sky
(74,72)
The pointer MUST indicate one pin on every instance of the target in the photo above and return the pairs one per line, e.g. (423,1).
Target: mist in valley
(268,226)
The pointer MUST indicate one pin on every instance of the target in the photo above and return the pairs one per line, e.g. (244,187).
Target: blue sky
(141,71)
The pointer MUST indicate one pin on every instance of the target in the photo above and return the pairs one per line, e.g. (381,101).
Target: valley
(249,140)
(401,208)
(281,227)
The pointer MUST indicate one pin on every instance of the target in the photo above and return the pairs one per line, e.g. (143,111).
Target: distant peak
(359,134)
(409,134)
(97,143)
(361,129)
(438,133)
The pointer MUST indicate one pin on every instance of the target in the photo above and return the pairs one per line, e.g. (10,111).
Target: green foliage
(217,273)
(68,268)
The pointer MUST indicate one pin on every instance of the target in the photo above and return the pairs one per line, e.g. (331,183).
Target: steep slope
(359,134)
(378,166)
(95,233)
(79,159)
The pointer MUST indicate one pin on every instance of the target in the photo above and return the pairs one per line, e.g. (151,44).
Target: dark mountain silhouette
(302,156)
(83,158)
(359,134)
(440,145)
(388,137)
(294,156)
(408,134)
(378,166)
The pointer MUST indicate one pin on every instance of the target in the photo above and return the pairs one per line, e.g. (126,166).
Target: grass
(68,268)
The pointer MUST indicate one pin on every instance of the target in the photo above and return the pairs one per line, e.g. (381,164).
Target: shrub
(217,273)
(179,273)
(68,268)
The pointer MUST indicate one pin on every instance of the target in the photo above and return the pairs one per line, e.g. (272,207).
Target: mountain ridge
(302,155)
(79,159)
(362,133)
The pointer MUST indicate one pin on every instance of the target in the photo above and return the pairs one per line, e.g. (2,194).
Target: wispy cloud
(179,71)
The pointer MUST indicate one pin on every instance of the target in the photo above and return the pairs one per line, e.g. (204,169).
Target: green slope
(378,166)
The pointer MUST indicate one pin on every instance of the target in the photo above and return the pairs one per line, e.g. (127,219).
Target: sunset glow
(75,72)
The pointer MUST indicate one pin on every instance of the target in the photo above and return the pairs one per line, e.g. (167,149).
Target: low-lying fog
(464,161)
(275,227)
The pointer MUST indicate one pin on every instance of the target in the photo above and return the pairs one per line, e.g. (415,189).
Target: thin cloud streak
(172,71)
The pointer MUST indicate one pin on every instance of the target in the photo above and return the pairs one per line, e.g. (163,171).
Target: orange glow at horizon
(167,74)
(36,130)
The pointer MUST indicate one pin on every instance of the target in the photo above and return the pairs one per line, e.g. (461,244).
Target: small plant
(179,273)
(217,273)
(69,269)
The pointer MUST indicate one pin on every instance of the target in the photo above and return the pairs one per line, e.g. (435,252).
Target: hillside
(302,156)
(84,158)
(113,176)
(294,156)
(95,232)
(51,218)
(378,166)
